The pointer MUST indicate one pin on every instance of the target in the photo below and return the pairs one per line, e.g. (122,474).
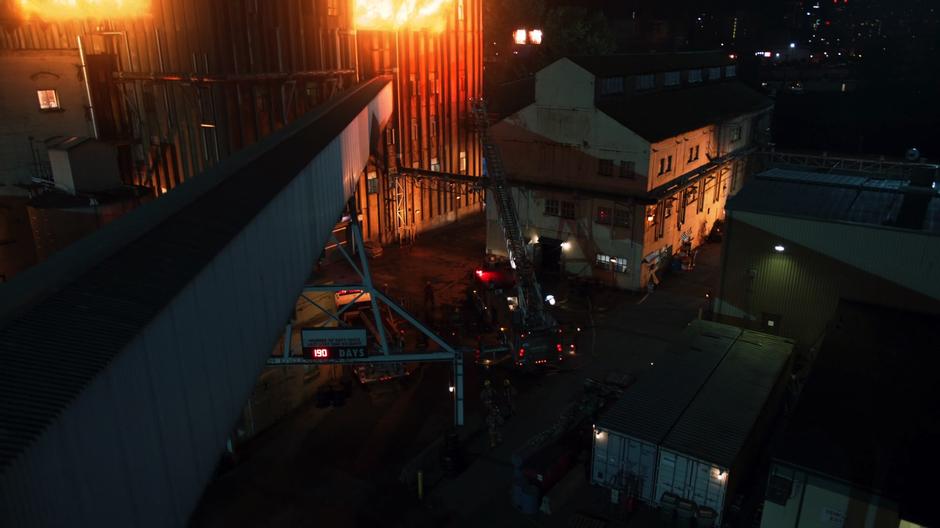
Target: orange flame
(391,15)
(60,10)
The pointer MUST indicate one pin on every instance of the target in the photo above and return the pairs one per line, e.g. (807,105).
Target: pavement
(356,465)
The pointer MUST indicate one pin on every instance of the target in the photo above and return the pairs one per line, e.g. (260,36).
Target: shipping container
(627,436)
(701,482)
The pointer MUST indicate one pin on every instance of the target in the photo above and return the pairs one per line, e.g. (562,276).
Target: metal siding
(691,479)
(625,457)
(160,387)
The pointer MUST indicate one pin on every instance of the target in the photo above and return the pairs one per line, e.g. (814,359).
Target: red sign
(320,353)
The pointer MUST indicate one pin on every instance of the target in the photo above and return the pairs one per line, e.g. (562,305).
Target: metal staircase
(534,315)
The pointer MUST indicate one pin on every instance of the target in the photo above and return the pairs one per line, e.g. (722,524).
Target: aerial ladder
(536,341)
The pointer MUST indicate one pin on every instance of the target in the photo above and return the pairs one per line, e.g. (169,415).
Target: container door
(640,467)
(608,458)
(708,485)
(674,475)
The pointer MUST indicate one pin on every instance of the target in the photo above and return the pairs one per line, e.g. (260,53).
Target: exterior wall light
(566,246)
(779,248)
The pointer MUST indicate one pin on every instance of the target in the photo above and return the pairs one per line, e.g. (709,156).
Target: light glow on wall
(392,15)
(61,10)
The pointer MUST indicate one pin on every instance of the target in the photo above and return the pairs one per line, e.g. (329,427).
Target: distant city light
(792,45)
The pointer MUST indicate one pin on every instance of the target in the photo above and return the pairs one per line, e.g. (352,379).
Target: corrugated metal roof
(52,349)
(652,405)
(826,196)
(638,63)
(661,115)
(718,422)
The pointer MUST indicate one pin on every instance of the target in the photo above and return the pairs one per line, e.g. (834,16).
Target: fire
(83,9)
(391,15)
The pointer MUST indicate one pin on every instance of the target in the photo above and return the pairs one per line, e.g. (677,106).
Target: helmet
(487,383)
(506,382)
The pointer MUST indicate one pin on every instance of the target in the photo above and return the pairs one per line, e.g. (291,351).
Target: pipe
(91,106)
(225,78)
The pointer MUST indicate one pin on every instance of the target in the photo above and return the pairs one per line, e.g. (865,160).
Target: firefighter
(488,396)
(429,297)
(493,421)
(509,393)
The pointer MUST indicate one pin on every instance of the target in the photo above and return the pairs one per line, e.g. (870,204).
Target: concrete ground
(344,466)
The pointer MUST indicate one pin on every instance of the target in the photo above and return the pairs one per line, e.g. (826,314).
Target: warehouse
(722,385)
(860,449)
(798,242)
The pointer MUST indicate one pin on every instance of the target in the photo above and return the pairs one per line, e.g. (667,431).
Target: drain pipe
(91,106)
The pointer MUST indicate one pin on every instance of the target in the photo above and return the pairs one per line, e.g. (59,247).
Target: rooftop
(664,114)
(640,63)
(652,405)
(840,197)
(718,422)
(867,414)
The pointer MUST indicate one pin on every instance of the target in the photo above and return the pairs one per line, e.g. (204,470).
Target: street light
(779,248)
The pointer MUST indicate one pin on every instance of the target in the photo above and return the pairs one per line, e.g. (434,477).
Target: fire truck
(509,288)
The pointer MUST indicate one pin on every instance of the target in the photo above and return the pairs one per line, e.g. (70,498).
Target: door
(551,254)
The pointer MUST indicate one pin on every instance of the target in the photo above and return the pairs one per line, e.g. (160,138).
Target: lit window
(645,82)
(605,167)
(736,133)
(463,162)
(695,76)
(671,78)
(331,8)
(603,261)
(48,99)
(620,265)
(603,215)
(551,207)
(435,164)
(611,85)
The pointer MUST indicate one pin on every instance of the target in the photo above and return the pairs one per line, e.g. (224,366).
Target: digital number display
(321,353)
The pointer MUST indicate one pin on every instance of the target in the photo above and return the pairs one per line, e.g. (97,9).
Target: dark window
(671,78)
(668,163)
(605,167)
(372,182)
(603,215)
(551,207)
(611,85)
(662,166)
(735,133)
(695,76)
(622,217)
(730,71)
(567,209)
(627,169)
(645,82)
(693,153)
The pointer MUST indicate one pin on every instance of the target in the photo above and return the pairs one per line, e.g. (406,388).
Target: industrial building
(621,162)
(798,242)
(175,87)
(690,428)
(860,448)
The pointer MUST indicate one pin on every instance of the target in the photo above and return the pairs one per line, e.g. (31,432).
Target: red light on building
(558,347)
(521,353)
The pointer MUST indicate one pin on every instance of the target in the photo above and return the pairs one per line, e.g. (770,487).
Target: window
(695,76)
(662,166)
(567,209)
(668,208)
(463,162)
(735,133)
(627,169)
(390,136)
(551,207)
(622,217)
(48,100)
(611,85)
(714,73)
(435,164)
(603,215)
(602,261)
(433,126)
(731,71)
(671,78)
(669,163)
(331,8)
(620,265)
(700,196)
(717,186)
(693,153)
(605,167)
(645,82)
(372,182)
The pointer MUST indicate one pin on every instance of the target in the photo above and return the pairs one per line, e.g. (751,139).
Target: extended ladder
(530,294)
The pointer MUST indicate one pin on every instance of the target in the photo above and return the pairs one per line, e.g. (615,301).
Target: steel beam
(430,357)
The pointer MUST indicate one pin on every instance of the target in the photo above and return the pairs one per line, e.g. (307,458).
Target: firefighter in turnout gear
(493,416)
(488,396)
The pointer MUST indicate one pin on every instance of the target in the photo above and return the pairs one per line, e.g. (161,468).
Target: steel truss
(449,353)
